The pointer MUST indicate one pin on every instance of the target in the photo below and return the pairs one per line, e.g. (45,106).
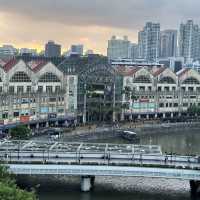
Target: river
(179,141)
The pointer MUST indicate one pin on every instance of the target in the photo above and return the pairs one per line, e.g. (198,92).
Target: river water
(179,141)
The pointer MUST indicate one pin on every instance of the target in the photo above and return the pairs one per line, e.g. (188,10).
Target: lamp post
(85,104)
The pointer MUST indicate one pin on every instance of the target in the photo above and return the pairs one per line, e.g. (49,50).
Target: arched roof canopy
(99,73)
(191,80)
(142,79)
(167,80)
(19,77)
(49,77)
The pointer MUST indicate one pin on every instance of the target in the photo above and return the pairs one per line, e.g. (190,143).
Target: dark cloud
(130,14)
(30,23)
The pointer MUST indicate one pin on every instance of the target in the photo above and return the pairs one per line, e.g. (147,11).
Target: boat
(129,135)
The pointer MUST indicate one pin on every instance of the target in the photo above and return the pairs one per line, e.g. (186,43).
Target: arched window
(142,79)
(167,80)
(191,80)
(49,77)
(20,77)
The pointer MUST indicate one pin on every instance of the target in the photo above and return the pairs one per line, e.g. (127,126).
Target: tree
(193,110)
(20,132)
(9,189)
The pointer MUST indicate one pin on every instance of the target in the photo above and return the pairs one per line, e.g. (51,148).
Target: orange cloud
(24,32)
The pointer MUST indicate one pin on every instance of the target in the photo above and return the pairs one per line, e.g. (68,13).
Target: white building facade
(35,92)
(159,92)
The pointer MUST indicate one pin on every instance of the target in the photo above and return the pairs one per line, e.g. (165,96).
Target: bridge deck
(81,170)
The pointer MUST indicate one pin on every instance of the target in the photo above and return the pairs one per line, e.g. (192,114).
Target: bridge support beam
(194,186)
(87,183)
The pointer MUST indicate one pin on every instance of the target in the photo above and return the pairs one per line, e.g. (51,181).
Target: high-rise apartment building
(26,51)
(149,42)
(189,41)
(118,48)
(77,49)
(168,43)
(8,51)
(52,49)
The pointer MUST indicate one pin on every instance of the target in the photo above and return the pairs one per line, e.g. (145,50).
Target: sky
(31,23)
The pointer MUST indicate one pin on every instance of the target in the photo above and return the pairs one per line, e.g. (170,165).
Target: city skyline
(87,23)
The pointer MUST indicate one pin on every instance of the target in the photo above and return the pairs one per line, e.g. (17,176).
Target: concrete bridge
(91,160)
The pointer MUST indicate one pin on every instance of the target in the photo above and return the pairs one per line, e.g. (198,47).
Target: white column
(164,115)
(122,116)
(85,184)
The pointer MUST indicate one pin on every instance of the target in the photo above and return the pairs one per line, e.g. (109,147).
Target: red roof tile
(127,71)
(159,71)
(37,65)
(10,64)
(182,72)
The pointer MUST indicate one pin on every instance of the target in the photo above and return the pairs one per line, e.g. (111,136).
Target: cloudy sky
(30,23)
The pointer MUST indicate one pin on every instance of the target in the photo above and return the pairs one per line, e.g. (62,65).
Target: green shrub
(20,132)
(9,189)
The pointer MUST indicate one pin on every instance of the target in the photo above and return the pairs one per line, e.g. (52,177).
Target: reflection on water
(112,188)
(180,142)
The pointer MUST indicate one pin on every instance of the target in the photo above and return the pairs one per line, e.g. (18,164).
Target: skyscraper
(52,49)
(118,48)
(168,43)
(133,51)
(149,42)
(189,41)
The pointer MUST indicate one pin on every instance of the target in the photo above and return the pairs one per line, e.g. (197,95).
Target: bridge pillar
(194,186)
(87,183)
